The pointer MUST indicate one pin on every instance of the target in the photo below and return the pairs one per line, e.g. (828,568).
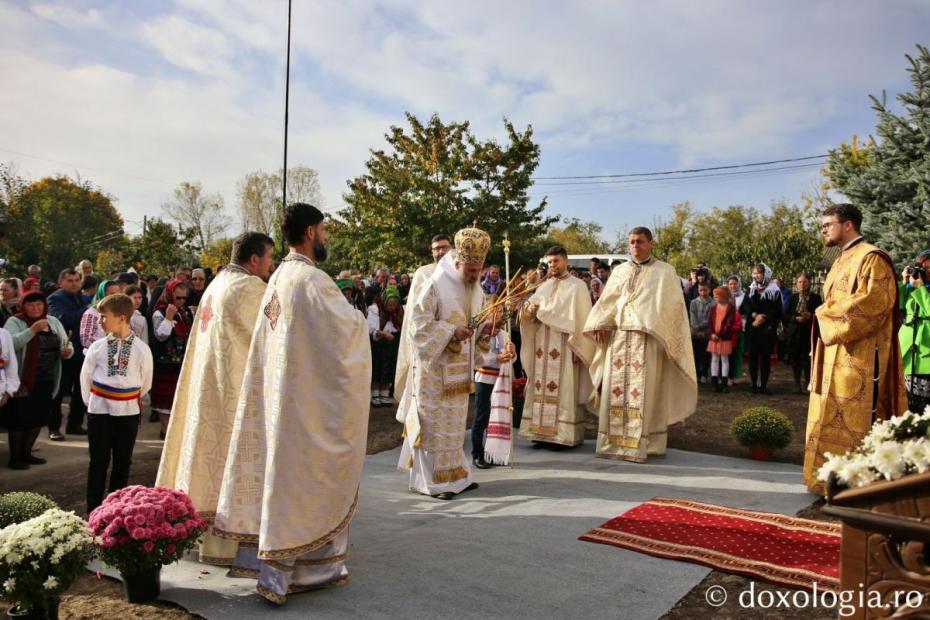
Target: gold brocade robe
(194,453)
(856,374)
(434,407)
(643,376)
(298,441)
(558,388)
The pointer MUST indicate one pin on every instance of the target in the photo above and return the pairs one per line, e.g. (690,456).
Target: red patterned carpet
(782,550)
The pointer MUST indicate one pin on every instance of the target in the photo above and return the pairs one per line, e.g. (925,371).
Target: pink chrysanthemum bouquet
(139,528)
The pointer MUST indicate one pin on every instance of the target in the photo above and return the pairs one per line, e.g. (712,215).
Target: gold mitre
(472,245)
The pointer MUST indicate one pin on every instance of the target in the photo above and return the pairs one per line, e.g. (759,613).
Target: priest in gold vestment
(643,370)
(434,407)
(194,454)
(856,371)
(556,356)
(290,487)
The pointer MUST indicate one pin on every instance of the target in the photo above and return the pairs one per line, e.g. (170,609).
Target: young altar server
(116,374)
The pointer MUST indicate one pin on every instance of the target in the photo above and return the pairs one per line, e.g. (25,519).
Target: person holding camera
(914,337)
(905,288)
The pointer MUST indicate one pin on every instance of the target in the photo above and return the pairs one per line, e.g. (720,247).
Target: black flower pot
(144,586)
(48,612)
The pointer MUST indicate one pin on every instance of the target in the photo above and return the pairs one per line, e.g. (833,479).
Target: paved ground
(509,549)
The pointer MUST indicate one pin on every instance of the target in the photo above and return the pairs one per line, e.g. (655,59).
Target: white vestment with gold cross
(644,373)
(556,355)
(290,487)
(194,454)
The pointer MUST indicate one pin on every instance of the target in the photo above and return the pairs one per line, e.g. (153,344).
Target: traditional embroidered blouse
(116,373)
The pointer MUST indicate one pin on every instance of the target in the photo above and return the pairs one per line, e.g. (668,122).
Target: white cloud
(710,81)
(68,16)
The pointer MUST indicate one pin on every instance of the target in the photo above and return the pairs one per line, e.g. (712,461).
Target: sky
(139,96)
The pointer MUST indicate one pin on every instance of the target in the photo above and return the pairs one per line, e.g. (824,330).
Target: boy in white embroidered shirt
(117,372)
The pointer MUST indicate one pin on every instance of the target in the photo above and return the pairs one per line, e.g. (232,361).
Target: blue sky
(138,96)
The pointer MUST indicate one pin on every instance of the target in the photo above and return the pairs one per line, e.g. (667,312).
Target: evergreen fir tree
(889,177)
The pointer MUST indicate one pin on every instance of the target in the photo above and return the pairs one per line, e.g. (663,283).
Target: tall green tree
(437,178)
(579,237)
(57,221)
(162,247)
(889,177)
(732,240)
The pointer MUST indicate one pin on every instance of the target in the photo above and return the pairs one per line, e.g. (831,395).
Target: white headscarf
(768,288)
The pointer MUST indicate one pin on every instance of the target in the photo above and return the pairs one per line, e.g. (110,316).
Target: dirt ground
(706,431)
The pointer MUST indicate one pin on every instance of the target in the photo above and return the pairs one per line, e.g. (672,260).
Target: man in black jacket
(67,305)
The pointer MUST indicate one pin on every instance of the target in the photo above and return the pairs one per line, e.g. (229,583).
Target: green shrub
(20,506)
(762,426)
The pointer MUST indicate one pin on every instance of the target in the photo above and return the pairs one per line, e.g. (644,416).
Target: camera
(916,271)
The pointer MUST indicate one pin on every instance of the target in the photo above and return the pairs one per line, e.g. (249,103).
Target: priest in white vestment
(194,454)
(440,245)
(556,354)
(434,406)
(290,487)
(643,369)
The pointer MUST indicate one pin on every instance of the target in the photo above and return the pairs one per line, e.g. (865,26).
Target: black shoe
(725,389)
(18,465)
(755,389)
(480,463)
(471,487)
(763,390)
(445,496)
(76,431)
(35,460)
(153,417)
(56,436)
(538,444)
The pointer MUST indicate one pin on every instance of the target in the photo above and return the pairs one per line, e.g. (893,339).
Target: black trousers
(70,384)
(761,343)
(701,356)
(482,417)
(109,437)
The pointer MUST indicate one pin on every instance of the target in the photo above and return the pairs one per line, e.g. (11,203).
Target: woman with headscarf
(594,287)
(763,310)
(799,321)
(171,322)
(40,343)
(90,329)
(10,292)
(735,284)
(385,319)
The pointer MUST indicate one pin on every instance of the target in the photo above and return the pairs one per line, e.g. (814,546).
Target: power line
(685,171)
(613,181)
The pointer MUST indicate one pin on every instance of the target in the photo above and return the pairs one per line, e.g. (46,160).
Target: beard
(831,243)
(319,252)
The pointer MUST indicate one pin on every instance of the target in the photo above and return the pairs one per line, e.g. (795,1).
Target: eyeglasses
(828,225)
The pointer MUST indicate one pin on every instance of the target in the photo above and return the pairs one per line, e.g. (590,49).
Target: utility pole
(287,94)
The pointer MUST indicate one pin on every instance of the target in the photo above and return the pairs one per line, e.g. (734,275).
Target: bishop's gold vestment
(856,374)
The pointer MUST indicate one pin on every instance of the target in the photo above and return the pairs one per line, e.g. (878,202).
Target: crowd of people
(238,364)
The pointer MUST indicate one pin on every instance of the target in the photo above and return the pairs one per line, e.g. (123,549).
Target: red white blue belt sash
(115,393)
(490,372)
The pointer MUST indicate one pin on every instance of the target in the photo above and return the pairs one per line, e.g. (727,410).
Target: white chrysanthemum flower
(51,583)
(857,473)
(888,460)
(917,454)
(9,585)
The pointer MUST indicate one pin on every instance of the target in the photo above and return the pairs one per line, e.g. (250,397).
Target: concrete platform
(510,548)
